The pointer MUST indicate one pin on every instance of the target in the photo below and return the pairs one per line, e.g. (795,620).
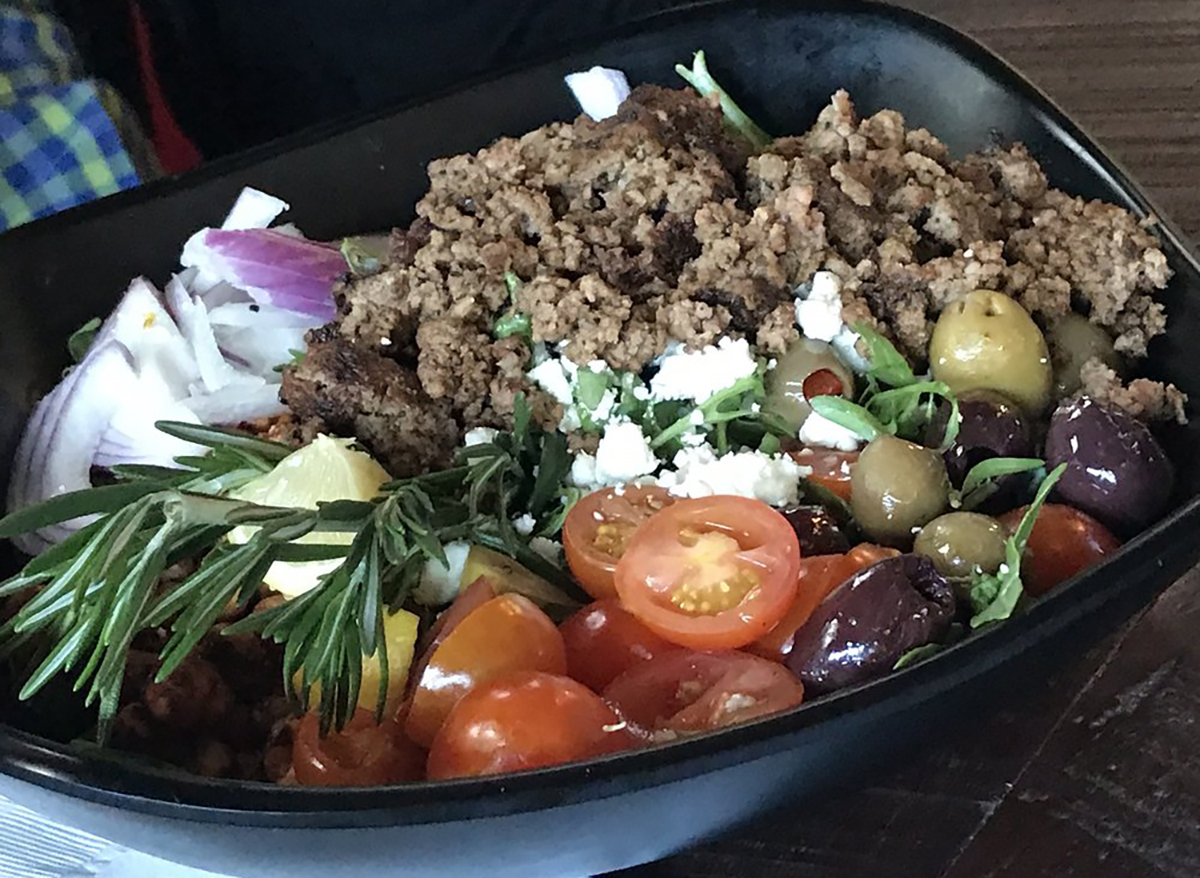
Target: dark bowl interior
(782,60)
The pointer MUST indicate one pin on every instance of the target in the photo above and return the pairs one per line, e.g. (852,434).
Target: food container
(782,60)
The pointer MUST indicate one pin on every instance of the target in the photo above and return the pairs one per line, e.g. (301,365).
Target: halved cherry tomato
(819,576)
(598,528)
(508,633)
(604,640)
(697,691)
(830,469)
(1063,542)
(710,573)
(525,720)
(362,754)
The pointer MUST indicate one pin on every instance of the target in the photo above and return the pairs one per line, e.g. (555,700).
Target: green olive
(986,341)
(1073,341)
(785,383)
(962,543)
(896,487)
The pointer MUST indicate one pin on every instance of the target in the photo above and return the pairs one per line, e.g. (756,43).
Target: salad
(648,425)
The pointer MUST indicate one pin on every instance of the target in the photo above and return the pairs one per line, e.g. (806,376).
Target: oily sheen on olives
(896,487)
(991,426)
(962,543)
(872,619)
(986,341)
(1117,472)
(1073,341)
(791,382)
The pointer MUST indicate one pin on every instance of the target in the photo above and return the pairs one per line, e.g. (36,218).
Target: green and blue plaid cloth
(59,140)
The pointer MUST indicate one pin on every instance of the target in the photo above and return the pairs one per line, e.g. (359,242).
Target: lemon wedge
(324,470)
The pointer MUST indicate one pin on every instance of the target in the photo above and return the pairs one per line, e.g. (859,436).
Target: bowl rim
(107,778)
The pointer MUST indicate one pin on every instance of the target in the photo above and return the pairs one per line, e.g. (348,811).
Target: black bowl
(782,60)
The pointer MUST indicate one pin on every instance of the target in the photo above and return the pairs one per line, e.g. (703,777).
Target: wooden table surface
(1100,772)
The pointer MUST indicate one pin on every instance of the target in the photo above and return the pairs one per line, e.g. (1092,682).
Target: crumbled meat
(360,393)
(659,224)
(1141,397)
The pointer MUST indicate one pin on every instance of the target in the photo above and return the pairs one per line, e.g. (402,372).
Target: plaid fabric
(58,145)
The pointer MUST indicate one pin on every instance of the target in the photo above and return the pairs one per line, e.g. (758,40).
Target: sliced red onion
(274,268)
(237,403)
(215,371)
(254,210)
(131,436)
(261,351)
(141,323)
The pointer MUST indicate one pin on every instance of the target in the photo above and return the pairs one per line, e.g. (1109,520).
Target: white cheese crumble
(819,430)
(479,436)
(599,90)
(819,313)
(774,479)
(583,471)
(547,548)
(524,524)
(623,454)
(440,583)
(700,374)
(552,377)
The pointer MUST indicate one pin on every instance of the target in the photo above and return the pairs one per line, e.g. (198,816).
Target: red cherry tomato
(830,469)
(525,720)
(819,576)
(712,573)
(360,755)
(1063,542)
(604,640)
(508,633)
(598,528)
(699,691)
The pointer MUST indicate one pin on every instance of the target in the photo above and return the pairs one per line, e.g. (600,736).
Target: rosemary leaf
(217,437)
(64,507)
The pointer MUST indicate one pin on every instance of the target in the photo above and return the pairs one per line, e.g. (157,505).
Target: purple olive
(869,621)
(1116,470)
(992,426)
(817,531)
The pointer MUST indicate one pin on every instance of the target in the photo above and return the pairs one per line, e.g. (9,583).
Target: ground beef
(659,224)
(1141,397)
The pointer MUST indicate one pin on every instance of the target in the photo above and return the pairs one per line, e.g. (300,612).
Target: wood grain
(1096,771)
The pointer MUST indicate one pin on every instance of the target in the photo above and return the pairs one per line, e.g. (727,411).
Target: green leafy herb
(854,417)
(81,339)
(699,78)
(512,322)
(590,387)
(887,365)
(983,478)
(917,654)
(906,411)
(99,588)
(363,255)
(737,402)
(297,357)
(994,596)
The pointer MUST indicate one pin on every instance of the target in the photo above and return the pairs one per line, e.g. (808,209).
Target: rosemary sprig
(100,587)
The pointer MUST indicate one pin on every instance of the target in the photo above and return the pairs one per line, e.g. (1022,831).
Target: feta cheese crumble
(479,436)
(524,524)
(774,479)
(599,90)
(819,313)
(624,454)
(700,374)
(819,430)
(440,583)
(552,377)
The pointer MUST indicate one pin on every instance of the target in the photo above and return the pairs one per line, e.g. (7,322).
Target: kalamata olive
(871,620)
(991,426)
(896,487)
(1116,470)
(986,341)
(787,395)
(1073,341)
(962,543)
(817,531)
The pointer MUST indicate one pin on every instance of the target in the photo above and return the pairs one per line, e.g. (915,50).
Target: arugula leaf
(983,480)
(850,415)
(994,596)
(363,256)
(590,387)
(917,654)
(512,323)
(887,365)
(81,339)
